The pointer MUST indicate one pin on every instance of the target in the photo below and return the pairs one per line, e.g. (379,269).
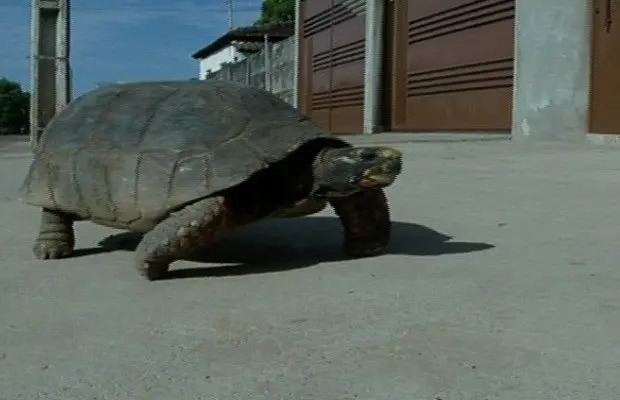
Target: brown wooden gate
(331,70)
(605,70)
(451,63)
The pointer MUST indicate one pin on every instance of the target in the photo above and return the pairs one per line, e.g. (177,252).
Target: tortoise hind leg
(56,237)
(365,217)
(194,227)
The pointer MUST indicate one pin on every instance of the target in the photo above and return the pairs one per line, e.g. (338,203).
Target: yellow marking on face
(371,180)
(389,153)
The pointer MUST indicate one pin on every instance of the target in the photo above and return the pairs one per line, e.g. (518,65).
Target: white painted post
(297,39)
(373,66)
(267,53)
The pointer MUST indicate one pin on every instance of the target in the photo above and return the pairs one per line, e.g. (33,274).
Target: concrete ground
(500,283)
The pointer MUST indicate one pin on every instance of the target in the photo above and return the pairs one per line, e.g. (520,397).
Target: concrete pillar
(552,70)
(35,40)
(373,64)
(50,74)
(63,46)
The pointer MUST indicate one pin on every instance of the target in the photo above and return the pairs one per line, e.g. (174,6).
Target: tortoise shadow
(286,244)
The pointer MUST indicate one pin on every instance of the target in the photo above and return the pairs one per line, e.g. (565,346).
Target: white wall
(214,61)
(277,75)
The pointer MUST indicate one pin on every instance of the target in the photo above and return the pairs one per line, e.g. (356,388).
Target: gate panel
(452,65)
(605,75)
(332,63)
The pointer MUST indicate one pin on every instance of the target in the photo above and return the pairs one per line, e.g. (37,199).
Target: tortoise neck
(283,183)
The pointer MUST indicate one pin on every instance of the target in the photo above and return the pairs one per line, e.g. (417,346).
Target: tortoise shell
(128,154)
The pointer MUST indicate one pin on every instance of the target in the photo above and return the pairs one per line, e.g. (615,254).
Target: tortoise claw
(153,271)
(364,249)
(46,249)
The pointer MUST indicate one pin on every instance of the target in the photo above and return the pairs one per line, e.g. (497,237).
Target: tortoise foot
(49,249)
(179,235)
(365,217)
(153,271)
(364,249)
(56,238)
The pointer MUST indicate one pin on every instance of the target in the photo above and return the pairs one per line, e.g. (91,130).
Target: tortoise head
(341,172)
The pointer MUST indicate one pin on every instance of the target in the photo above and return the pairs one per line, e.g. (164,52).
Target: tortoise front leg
(56,238)
(302,208)
(365,217)
(193,227)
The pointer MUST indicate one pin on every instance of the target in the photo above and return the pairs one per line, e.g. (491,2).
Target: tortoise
(186,162)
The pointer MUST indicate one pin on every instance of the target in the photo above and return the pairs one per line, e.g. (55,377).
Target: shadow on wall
(286,244)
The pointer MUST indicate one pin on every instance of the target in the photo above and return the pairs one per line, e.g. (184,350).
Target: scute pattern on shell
(126,155)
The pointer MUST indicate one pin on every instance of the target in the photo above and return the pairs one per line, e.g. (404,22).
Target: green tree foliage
(274,11)
(14,108)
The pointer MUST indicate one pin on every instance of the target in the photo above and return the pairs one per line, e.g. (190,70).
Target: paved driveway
(502,282)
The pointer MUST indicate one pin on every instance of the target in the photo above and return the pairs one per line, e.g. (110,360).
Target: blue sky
(124,40)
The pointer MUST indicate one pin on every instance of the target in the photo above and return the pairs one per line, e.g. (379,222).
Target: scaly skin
(195,226)
(365,217)
(302,208)
(56,237)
